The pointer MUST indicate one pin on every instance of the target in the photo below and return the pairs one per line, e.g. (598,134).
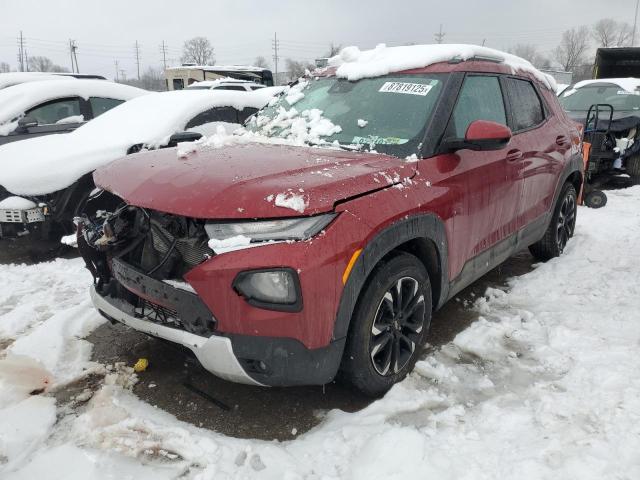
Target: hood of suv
(249,181)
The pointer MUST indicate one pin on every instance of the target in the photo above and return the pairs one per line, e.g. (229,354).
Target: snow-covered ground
(545,385)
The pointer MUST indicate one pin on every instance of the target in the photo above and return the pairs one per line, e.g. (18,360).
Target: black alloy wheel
(397,326)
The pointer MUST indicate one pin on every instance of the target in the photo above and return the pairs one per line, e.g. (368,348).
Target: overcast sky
(240,30)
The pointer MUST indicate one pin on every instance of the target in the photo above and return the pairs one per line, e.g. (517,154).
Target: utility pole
(635,23)
(21,52)
(123,74)
(138,58)
(117,77)
(440,35)
(74,59)
(163,49)
(275,45)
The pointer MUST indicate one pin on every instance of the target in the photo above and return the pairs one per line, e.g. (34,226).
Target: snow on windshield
(47,164)
(354,64)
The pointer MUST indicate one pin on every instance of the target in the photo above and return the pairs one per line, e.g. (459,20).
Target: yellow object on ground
(141,365)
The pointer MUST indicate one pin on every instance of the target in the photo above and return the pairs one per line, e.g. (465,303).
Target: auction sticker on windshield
(406,88)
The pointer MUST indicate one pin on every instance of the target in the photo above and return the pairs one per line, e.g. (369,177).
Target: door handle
(514,155)
(562,141)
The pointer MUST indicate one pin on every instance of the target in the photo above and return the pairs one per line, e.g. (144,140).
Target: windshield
(387,114)
(583,98)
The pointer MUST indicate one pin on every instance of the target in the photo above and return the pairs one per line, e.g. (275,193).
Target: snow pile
(544,385)
(354,64)
(16,100)
(299,128)
(17,203)
(362,123)
(71,119)
(9,79)
(230,244)
(46,164)
(291,200)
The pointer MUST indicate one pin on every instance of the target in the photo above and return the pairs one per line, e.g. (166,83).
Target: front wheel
(561,228)
(389,325)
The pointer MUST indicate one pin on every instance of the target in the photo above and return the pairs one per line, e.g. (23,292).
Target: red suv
(284,265)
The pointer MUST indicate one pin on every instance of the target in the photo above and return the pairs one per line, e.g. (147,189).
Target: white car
(45,181)
(37,108)
(10,79)
(226,84)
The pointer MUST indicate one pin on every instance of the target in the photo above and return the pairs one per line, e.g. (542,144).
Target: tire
(382,346)
(633,169)
(561,227)
(595,199)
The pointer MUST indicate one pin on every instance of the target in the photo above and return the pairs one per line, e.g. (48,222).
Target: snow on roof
(47,164)
(354,64)
(223,81)
(221,68)
(15,100)
(629,84)
(14,78)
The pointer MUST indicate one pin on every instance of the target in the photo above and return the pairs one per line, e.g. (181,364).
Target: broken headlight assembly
(284,229)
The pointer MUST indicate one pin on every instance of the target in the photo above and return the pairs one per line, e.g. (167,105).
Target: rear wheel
(633,169)
(560,230)
(389,325)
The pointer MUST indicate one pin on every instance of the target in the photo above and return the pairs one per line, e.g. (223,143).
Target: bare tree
(333,50)
(198,50)
(610,33)
(151,79)
(296,69)
(44,64)
(573,47)
(4,67)
(530,53)
(261,62)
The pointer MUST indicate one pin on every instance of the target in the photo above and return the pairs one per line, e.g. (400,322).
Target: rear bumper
(214,353)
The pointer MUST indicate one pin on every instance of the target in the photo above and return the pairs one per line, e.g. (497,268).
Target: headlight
(263,230)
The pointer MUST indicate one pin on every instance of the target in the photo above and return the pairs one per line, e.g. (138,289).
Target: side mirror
(482,135)
(180,137)
(27,122)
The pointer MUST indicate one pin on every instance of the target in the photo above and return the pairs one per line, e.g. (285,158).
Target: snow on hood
(354,64)
(46,164)
(628,84)
(14,78)
(15,100)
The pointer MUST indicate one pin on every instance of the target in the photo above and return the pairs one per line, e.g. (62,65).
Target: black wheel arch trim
(424,226)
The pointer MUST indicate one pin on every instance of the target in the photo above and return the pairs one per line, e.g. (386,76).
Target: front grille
(194,250)
(157,313)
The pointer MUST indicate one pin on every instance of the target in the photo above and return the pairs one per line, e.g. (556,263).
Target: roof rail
(477,58)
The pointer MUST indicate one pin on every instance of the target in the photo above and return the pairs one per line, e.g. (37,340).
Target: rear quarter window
(527,110)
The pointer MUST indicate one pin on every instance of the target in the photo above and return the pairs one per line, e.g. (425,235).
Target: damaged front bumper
(215,353)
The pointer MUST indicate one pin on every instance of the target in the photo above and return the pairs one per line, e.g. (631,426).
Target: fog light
(273,289)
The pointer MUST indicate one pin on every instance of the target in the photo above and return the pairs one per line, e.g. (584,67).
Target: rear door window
(217,114)
(63,110)
(100,105)
(480,99)
(526,108)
